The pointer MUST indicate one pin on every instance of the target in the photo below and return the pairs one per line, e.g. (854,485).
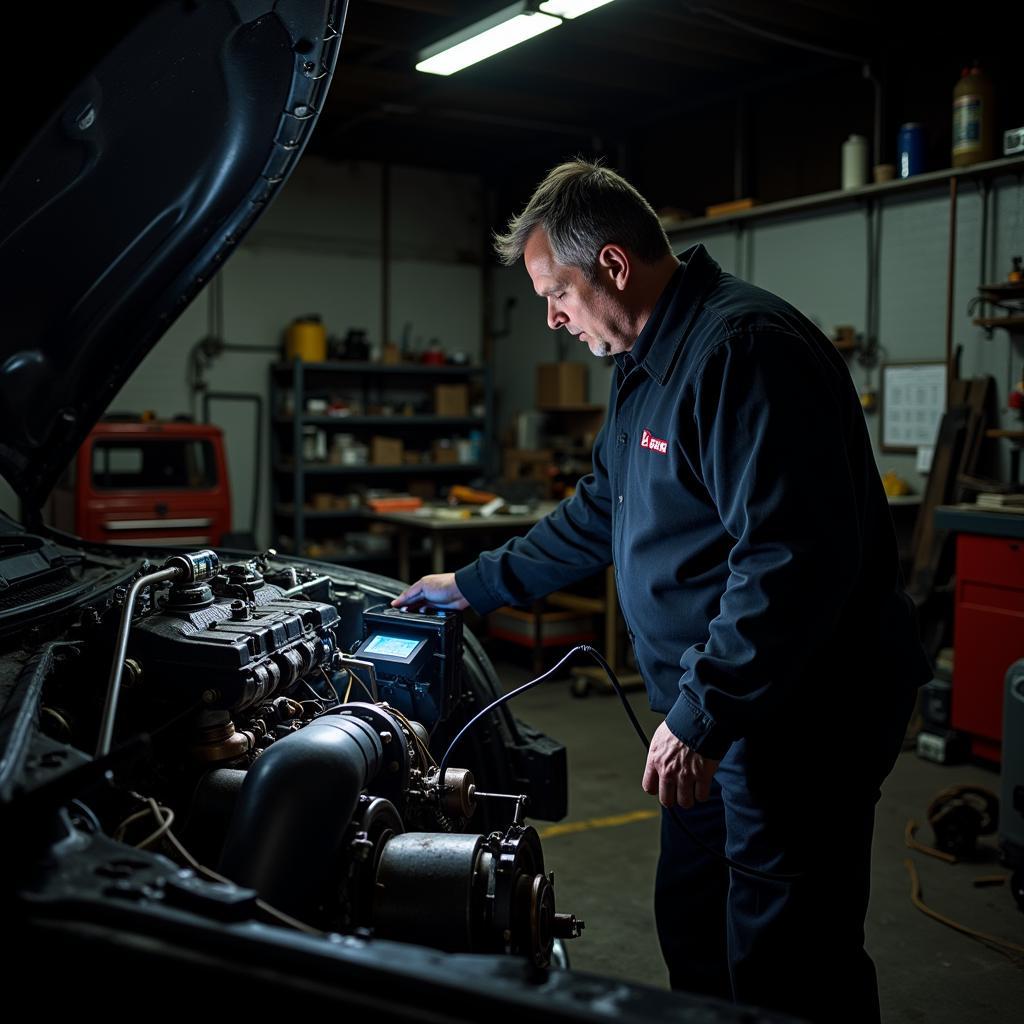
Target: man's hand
(438,591)
(677,774)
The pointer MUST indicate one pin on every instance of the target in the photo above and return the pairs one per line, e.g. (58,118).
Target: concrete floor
(604,872)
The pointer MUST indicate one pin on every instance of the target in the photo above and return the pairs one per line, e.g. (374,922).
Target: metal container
(910,149)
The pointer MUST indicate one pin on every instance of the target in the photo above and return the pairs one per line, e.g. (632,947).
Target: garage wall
(818,261)
(318,250)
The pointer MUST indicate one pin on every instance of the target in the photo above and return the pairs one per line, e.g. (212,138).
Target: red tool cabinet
(988,630)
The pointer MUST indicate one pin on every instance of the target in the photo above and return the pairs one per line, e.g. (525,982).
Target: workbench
(440,525)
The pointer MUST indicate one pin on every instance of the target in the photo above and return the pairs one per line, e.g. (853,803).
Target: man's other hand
(675,773)
(438,591)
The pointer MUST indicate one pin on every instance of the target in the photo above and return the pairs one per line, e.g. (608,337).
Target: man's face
(590,311)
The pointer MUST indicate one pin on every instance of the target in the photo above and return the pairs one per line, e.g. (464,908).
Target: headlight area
(202,739)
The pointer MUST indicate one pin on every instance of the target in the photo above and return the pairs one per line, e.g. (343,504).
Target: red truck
(139,481)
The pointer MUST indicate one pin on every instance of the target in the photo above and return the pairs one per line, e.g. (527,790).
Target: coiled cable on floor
(1011,949)
(770,876)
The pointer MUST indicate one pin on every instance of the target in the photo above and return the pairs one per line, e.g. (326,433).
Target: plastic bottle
(855,162)
(972,118)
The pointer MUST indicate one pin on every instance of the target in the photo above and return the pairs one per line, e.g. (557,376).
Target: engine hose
(746,869)
(294,807)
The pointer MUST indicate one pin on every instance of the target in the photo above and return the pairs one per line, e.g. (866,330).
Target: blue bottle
(910,147)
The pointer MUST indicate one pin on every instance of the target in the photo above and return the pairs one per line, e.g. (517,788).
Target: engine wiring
(330,683)
(428,757)
(166,818)
(164,815)
(746,869)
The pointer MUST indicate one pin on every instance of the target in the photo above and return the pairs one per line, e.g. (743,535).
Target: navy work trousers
(796,798)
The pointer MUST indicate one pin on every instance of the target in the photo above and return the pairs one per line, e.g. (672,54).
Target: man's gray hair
(583,207)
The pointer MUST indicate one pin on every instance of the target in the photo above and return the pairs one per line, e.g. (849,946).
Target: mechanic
(735,491)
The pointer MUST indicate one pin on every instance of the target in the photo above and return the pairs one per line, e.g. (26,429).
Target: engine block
(234,650)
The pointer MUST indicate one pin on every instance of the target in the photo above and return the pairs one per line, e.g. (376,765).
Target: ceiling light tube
(571,8)
(485,38)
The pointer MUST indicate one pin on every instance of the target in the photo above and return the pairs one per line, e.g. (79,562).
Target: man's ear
(613,265)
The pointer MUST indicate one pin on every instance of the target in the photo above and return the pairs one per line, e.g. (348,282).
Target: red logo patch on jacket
(654,444)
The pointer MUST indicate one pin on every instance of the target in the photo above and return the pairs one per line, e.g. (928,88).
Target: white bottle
(855,162)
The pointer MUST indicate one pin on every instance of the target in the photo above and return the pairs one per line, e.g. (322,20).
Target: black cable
(88,814)
(770,876)
(775,37)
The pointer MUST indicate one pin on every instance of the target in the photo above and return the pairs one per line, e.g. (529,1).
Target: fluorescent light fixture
(485,38)
(571,8)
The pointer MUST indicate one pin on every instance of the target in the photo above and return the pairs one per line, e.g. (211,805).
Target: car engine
(237,736)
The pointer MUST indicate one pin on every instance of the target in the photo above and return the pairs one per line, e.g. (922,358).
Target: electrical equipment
(1013,141)
(959,815)
(1011,820)
(417,658)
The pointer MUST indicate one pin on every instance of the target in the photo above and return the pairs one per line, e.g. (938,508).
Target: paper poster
(913,401)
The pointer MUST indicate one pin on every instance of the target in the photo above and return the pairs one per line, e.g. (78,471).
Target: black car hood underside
(151,168)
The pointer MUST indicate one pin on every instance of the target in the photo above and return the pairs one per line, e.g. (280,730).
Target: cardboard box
(451,400)
(561,384)
(444,455)
(733,206)
(521,464)
(386,451)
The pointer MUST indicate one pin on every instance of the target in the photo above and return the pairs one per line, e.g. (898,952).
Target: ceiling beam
(650,50)
(660,24)
(674,45)
(355,85)
(577,68)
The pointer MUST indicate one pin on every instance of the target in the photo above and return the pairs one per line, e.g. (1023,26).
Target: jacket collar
(666,329)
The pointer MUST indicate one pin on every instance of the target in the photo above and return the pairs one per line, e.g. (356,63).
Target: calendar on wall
(913,401)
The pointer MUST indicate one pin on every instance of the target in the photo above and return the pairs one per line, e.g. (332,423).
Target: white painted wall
(317,249)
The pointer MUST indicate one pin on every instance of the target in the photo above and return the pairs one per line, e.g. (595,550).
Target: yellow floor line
(609,822)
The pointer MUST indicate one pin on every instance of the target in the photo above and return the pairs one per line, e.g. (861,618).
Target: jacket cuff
(697,729)
(475,591)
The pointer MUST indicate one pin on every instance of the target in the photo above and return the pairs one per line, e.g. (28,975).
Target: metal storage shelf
(395,421)
(291,384)
(382,369)
(287,511)
(405,468)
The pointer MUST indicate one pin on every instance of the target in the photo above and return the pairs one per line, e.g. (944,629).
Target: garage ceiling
(611,81)
(594,80)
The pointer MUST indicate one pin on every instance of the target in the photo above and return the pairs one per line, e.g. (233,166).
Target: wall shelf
(804,204)
(1010,322)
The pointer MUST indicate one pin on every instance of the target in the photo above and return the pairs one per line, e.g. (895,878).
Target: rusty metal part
(458,795)
(219,741)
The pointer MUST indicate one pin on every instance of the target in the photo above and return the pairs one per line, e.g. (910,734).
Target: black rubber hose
(293,809)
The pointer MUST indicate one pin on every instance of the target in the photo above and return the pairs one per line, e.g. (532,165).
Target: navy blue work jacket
(735,491)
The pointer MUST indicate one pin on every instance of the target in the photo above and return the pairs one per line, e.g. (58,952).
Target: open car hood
(168,136)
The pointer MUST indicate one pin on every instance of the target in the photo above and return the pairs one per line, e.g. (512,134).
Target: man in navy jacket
(735,491)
